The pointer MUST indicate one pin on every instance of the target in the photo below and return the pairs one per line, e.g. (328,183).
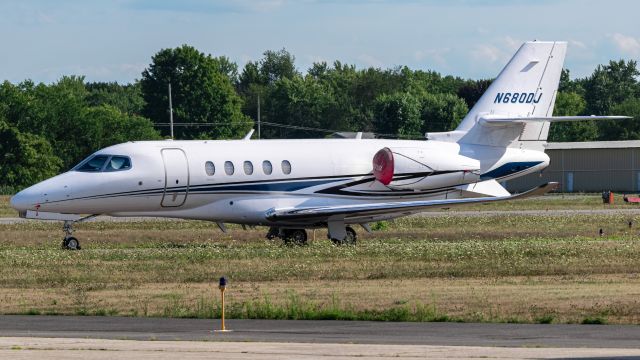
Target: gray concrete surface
(442,334)
(94,349)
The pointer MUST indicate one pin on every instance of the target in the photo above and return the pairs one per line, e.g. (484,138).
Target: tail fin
(526,87)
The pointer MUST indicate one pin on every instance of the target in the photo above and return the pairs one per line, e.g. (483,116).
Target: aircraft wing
(404,208)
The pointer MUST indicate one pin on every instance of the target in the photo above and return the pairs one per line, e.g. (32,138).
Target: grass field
(5,209)
(498,268)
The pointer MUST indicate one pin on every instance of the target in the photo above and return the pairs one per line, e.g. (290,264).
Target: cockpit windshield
(104,163)
(118,163)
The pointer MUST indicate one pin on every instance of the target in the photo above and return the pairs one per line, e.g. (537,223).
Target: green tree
(442,112)
(109,126)
(571,104)
(21,108)
(61,118)
(201,93)
(26,158)
(258,80)
(471,90)
(609,85)
(300,102)
(228,68)
(274,66)
(567,85)
(623,129)
(398,114)
(127,98)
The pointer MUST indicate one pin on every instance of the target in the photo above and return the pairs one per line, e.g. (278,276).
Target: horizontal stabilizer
(322,213)
(496,120)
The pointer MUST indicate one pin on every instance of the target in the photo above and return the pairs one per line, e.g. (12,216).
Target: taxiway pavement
(303,331)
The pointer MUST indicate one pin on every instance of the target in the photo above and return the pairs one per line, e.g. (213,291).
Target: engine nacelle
(414,169)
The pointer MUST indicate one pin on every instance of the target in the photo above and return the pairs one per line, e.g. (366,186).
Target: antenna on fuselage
(170,112)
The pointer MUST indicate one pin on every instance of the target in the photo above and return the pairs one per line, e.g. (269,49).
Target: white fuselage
(170,178)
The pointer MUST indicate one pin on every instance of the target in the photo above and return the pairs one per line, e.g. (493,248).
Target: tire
(296,237)
(350,238)
(71,243)
(273,233)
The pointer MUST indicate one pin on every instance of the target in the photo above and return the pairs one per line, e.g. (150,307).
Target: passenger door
(176,177)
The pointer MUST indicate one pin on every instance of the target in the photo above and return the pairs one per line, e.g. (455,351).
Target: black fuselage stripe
(211,188)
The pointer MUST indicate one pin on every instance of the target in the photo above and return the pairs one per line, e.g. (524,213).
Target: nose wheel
(70,242)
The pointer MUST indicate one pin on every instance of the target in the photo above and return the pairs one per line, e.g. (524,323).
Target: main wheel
(349,239)
(296,237)
(273,233)
(71,243)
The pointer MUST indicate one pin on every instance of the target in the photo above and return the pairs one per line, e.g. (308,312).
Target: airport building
(588,167)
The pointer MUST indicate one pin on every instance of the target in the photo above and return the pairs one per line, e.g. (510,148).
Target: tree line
(48,128)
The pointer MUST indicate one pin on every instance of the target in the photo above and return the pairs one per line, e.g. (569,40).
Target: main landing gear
(289,236)
(299,236)
(70,242)
(349,239)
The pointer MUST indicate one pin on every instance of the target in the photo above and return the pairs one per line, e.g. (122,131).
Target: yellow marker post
(222,286)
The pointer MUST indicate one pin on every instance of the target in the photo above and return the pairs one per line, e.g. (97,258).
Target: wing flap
(373,209)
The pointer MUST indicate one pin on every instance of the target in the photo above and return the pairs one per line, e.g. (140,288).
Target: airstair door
(176,177)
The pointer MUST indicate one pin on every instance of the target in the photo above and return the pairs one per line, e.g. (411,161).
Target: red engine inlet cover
(383,166)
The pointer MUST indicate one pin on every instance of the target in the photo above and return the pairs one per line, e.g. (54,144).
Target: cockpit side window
(99,163)
(117,163)
(93,164)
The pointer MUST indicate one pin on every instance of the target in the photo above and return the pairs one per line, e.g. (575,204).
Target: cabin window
(286,167)
(228,167)
(209,168)
(248,167)
(267,168)
(93,164)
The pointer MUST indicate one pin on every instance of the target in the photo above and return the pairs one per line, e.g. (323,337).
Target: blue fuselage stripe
(508,169)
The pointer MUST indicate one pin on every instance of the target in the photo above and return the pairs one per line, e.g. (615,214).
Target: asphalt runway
(301,331)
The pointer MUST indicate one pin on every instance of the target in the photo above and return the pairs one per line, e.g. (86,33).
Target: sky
(44,40)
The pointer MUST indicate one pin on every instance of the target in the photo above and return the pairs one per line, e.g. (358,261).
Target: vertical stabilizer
(526,87)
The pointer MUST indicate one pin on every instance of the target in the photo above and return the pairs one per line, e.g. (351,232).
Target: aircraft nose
(26,199)
(19,201)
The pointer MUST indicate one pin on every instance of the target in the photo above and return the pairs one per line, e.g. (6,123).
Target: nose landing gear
(70,242)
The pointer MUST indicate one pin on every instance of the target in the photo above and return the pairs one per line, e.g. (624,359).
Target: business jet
(293,185)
